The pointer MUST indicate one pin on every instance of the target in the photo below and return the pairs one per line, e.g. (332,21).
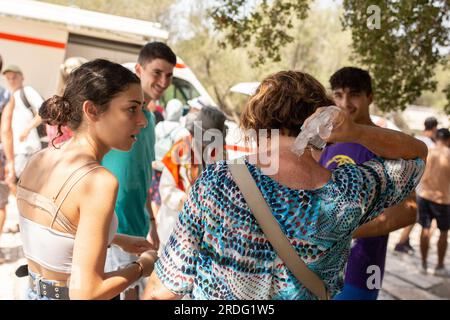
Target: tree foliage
(402,52)
(262,26)
(214,66)
(220,68)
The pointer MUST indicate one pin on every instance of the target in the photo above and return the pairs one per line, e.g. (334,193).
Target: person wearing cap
(19,122)
(183,164)
(4,188)
(433,201)
(167,132)
(195,105)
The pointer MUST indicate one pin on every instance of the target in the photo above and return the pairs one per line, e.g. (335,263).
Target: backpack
(42,132)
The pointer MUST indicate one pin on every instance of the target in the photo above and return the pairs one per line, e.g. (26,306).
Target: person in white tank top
(66,199)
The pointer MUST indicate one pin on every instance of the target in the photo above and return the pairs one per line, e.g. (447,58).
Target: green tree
(319,46)
(262,25)
(316,48)
(214,66)
(402,51)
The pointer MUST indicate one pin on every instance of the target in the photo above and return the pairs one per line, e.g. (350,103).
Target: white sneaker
(442,272)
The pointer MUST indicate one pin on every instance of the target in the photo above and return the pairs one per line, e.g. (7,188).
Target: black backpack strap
(42,132)
(25,101)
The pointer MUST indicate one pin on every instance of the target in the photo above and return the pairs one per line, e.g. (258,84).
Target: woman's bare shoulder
(36,167)
(100,181)
(51,165)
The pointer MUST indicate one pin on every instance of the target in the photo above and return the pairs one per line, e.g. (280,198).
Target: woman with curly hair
(218,249)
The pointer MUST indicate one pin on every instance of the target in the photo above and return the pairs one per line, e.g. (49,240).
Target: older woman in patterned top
(218,251)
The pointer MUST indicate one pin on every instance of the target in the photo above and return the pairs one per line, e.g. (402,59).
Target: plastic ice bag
(319,124)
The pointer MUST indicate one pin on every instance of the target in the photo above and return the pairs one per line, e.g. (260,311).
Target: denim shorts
(32,293)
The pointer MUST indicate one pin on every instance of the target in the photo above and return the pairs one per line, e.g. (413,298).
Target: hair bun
(55,111)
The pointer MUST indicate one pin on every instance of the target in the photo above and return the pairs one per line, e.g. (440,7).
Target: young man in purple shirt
(352,89)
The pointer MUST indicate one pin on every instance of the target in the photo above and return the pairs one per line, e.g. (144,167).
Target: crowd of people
(122,198)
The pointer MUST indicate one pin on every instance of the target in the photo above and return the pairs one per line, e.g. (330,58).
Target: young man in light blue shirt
(133,169)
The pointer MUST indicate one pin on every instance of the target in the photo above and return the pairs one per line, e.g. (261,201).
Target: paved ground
(402,281)
(11,251)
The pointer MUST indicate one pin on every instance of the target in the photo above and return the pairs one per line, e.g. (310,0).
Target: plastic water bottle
(319,124)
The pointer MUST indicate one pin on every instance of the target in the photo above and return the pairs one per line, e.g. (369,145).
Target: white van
(39,37)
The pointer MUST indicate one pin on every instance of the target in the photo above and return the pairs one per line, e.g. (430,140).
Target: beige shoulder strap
(89,170)
(273,232)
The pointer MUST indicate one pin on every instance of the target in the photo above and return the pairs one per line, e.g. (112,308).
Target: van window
(179,89)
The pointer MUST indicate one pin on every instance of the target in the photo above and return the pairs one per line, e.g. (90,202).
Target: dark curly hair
(98,81)
(283,101)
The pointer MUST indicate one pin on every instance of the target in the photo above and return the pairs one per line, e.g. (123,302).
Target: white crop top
(50,248)
(46,246)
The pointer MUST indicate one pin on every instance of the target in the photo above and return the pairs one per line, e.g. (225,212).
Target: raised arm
(393,218)
(390,144)
(385,143)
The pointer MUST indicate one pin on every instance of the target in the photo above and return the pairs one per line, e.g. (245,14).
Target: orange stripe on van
(180,66)
(39,42)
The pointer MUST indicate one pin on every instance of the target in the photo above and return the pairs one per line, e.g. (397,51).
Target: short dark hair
(430,123)
(99,81)
(353,78)
(1,63)
(443,134)
(156,50)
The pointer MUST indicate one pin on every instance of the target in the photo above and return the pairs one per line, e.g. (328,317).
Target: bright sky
(325,4)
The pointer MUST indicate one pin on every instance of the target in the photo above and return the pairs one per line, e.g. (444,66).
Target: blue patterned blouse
(218,251)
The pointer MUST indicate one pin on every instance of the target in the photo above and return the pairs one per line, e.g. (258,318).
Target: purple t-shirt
(365,251)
